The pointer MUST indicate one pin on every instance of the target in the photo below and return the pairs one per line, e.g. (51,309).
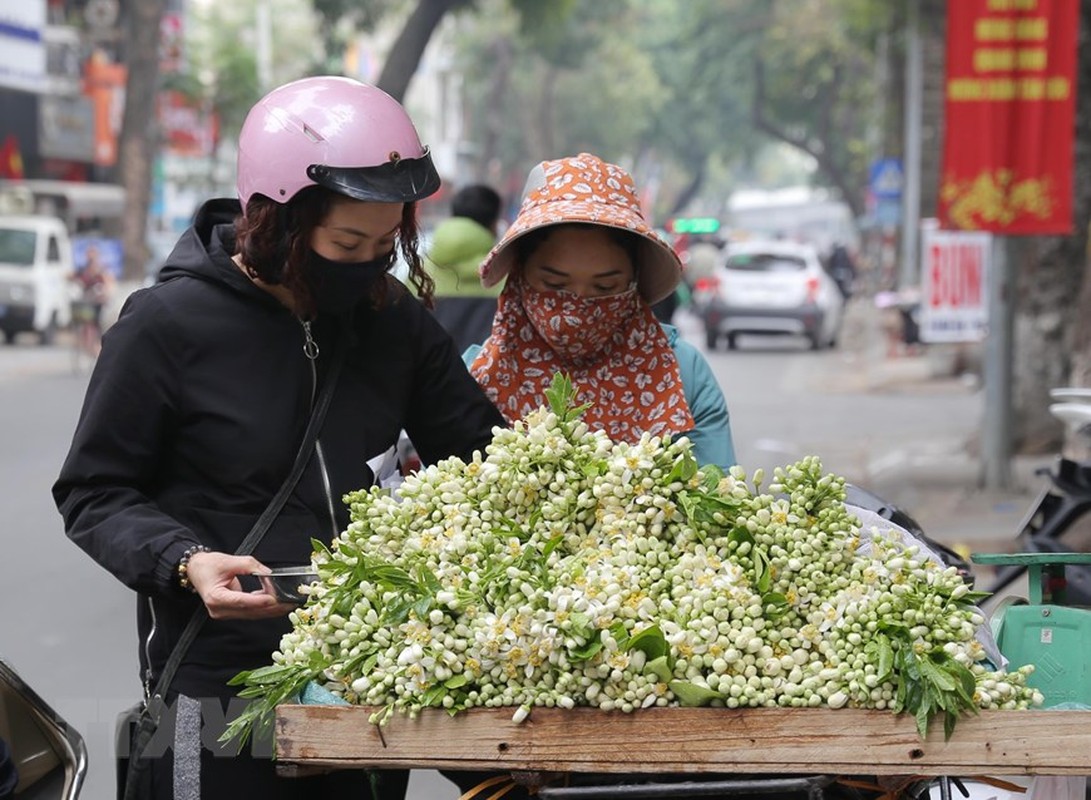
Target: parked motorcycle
(1064,499)
(42,757)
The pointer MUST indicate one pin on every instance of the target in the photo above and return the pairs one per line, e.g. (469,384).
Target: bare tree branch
(828,166)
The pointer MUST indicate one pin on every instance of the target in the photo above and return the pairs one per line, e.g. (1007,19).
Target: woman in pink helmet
(199,400)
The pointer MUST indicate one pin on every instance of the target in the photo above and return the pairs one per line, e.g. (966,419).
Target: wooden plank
(689,740)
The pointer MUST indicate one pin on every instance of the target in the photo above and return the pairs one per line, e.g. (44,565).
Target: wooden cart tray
(688,740)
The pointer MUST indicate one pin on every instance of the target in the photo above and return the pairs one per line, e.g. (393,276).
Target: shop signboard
(954,276)
(22,49)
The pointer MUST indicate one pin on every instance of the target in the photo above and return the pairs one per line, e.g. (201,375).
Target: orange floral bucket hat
(586,189)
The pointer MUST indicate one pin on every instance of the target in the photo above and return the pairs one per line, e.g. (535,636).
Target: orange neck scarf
(613,349)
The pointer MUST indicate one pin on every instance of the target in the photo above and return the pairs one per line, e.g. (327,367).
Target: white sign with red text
(954,275)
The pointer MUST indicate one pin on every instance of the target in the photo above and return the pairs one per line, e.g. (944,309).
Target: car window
(17,246)
(53,255)
(765,262)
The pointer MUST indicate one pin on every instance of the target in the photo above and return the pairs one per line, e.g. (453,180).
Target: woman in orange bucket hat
(583,267)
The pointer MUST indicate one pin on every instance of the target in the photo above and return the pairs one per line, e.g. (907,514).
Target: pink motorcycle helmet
(347,136)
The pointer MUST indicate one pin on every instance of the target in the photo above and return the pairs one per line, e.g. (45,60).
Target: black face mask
(338,286)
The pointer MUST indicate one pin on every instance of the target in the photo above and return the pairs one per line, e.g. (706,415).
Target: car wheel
(732,341)
(48,334)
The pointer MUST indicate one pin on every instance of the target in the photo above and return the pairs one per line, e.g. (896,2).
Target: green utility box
(1043,631)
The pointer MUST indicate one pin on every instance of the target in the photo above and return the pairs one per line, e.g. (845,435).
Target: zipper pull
(310,346)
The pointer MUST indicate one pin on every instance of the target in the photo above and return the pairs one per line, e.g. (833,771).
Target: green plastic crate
(1054,637)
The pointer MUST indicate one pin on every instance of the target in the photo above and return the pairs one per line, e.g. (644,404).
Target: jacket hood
(459,239)
(461,244)
(204,251)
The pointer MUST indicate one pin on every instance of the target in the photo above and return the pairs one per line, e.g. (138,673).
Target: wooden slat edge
(790,741)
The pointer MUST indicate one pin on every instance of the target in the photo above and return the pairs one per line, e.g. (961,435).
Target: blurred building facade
(62,94)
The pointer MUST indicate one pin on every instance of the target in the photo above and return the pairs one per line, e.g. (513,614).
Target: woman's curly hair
(274,242)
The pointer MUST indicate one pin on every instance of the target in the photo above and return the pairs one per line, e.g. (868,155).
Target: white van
(35,265)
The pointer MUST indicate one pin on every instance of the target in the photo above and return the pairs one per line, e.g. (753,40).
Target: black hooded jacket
(193,417)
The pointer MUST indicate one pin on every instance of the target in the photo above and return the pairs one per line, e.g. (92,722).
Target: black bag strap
(253,538)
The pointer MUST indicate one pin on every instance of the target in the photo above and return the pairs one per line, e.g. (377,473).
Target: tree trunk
(137,145)
(495,119)
(934,57)
(1080,374)
(1052,332)
(408,48)
(535,118)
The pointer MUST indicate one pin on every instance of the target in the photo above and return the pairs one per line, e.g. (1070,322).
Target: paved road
(68,626)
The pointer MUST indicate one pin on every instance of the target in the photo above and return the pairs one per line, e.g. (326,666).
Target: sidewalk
(940,481)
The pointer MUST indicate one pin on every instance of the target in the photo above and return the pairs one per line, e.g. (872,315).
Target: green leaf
(651,642)
(434,695)
(685,467)
(581,624)
(561,396)
(692,695)
(939,678)
(594,469)
(949,720)
(428,578)
(551,545)
(974,598)
(588,651)
(456,681)
(620,634)
(711,477)
(270,675)
(362,664)
(268,687)
(660,668)
(422,606)
(398,611)
(923,714)
(240,679)
(762,578)
(967,685)
(885,661)
(774,602)
(740,534)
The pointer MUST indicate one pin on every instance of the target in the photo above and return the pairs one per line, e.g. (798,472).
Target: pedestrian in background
(460,243)
(583,268)
(842,268)
(198,404)
(96,287)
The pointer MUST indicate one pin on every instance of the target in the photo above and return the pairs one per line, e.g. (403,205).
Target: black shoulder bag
(137,725)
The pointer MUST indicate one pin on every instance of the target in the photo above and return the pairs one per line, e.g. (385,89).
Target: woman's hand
(215,578)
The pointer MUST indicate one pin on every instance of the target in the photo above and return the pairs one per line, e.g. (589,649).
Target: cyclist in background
(96,285)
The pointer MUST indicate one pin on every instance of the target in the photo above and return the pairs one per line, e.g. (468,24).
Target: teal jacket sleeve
(711,435)
(470,354)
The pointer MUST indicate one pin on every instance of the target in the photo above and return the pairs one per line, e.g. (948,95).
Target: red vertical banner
(1010,107)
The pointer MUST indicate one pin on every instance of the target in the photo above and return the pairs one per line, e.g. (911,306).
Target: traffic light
(694,225)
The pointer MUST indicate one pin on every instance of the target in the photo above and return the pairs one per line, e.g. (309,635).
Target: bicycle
(86,339)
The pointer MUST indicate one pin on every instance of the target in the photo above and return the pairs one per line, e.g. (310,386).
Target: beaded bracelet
(183,565)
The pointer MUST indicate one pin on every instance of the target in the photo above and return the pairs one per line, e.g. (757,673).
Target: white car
(770,288)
